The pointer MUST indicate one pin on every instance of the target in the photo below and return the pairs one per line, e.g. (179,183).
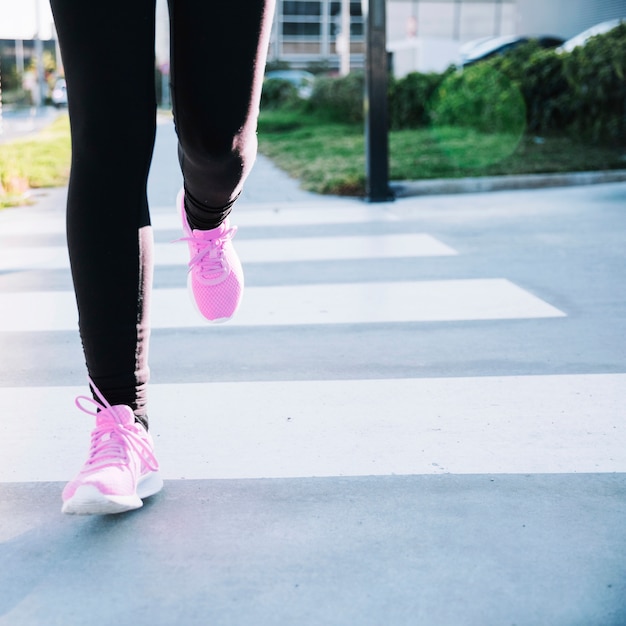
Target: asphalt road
(417,418)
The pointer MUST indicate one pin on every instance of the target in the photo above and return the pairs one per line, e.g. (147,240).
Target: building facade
(308,32)
(424,35)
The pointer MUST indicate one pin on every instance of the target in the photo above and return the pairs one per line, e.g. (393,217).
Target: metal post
(41,84)
(376,119)
(345,38)
(19,57)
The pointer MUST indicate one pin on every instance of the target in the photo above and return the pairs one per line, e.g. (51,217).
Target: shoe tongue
(208,235)
(120,414)
(213,233)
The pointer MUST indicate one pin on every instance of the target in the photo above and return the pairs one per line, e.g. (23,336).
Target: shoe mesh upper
(215,272)
(121,452)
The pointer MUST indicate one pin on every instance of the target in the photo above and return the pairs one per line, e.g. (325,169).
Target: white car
(487,47)
(59,93)
(582,38)
(300,79)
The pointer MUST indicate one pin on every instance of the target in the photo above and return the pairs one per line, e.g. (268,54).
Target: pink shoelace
(209,263)
(111,438)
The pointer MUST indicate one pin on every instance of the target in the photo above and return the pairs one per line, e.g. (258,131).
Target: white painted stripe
(24,222)
(289,214)
(353,303)
(322,249)
(30,222)
(255,251)
(35,257)
(495,425)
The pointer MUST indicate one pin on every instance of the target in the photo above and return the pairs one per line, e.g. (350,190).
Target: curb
(478,184)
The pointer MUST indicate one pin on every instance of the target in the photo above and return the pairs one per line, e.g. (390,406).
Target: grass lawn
(39,161)
(329,157)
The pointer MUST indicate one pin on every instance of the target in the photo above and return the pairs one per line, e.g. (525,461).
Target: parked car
(59,93)
(582,38)
(486,47)
(301,79)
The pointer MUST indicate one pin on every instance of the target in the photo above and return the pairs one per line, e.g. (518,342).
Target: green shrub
(482,98)
(529,88)
(546,92)
(340,99)
(409,99)
(582,92)
(277,64)
(596,74)
(278,93)
(319,67)
(11,78)
(538,74)
(513,61)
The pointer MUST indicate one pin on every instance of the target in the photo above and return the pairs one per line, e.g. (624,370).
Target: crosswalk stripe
(337,211)
(331,212)
(350,303)
(319,428)
(495,425)
(255,251)
(323,249)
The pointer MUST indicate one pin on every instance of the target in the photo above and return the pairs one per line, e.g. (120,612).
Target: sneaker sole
(89,500)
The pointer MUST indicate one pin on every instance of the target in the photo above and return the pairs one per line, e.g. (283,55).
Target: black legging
(218,51)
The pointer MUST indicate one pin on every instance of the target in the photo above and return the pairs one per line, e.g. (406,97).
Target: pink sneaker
(121,469)
(215,279)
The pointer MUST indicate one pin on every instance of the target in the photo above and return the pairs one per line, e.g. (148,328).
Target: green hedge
(546,92)
(481,98)
(278,93)
(539,76)
(341,99)
(596,74)
(581,93)
(409,99)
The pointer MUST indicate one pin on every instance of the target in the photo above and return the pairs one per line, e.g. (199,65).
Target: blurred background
(422,35)
(475,87)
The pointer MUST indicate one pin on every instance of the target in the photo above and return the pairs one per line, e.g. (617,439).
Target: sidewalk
(21,123)
(417,418)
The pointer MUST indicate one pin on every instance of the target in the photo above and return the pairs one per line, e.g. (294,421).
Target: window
(301,19)
(310,28)
(356,19)
(301,29)
(355,8)
(297,7)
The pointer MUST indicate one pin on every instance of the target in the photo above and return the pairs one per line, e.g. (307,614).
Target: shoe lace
(110,440)
(209,263)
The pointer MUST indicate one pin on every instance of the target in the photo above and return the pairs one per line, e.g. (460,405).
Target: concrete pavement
(418,418)
(20,123)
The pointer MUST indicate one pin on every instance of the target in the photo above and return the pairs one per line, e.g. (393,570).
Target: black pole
(376,117)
